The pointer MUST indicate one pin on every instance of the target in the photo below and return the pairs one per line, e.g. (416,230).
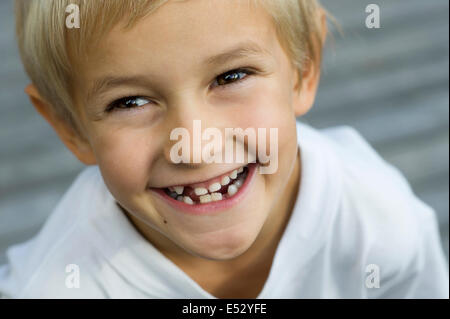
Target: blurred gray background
(391,84)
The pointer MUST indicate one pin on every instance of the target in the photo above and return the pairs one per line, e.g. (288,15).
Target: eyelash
(123,101)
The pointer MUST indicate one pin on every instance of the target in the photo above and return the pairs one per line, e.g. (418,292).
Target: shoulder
(380,219)
(379,223)
(41,266)
(375,191)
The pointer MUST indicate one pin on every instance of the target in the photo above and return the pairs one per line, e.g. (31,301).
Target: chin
(224,247)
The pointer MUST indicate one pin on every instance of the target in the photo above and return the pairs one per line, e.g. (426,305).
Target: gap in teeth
(227,188)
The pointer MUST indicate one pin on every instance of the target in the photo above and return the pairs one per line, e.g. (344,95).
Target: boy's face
(162,60)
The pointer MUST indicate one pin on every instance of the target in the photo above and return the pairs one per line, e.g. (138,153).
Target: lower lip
(211,207)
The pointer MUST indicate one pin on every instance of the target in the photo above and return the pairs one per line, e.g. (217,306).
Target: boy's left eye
(231,77)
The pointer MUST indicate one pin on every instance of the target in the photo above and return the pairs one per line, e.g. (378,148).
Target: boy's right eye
(128,103)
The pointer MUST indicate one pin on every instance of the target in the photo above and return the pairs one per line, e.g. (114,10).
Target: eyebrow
(241,50)
(109,82)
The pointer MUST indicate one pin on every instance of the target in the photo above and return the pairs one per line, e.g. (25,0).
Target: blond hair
(47,47)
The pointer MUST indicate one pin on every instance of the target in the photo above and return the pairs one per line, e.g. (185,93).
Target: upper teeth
(179,189)
(211,193)
(214,187)
(200,191)
(225,180)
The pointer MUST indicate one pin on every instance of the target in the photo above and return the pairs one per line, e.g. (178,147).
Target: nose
(188,120)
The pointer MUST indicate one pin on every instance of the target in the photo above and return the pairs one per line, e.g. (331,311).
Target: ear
(68,135)
(306,84)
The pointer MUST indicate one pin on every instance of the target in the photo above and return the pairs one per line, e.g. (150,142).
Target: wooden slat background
(391,84)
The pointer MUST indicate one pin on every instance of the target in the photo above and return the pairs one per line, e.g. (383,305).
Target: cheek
(270,106)
(124,158)
(268,102)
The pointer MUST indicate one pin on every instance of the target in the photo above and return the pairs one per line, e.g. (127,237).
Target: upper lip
(190,182)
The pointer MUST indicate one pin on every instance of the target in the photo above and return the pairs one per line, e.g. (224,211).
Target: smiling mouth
(217,189)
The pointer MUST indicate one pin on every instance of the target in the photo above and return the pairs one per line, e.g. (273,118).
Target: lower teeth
(231,190)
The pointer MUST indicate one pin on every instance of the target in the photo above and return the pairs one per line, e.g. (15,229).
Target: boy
(333,221)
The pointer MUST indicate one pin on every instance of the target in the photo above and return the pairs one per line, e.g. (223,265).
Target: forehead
(181,35)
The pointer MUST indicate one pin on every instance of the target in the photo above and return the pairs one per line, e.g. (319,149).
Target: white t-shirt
(357,231)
